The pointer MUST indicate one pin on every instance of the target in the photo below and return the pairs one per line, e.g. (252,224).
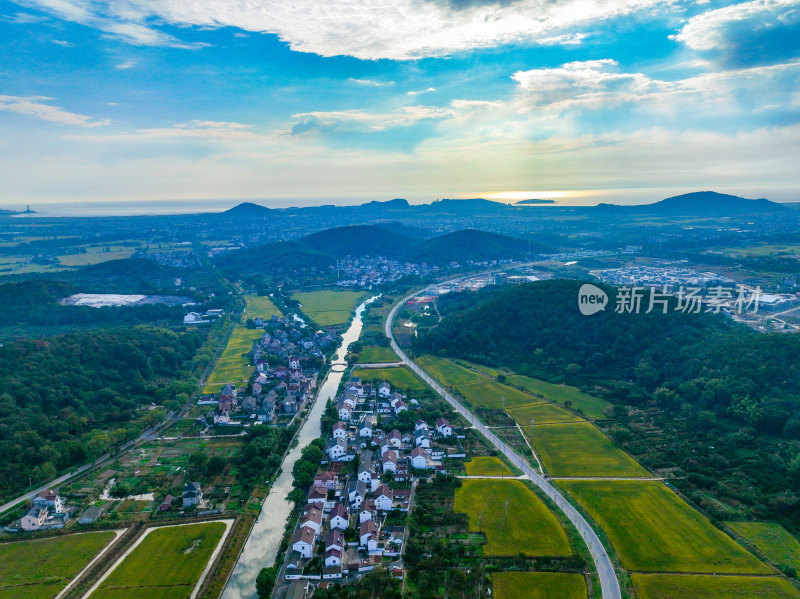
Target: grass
(654,530)
(579,449)
(400,377)
(233,366)
(327,308)
(672,586)
(514,519)
(41,568)
(487,466)
(771,539)
(591,406)
(376,353)
(538,585)
(259,305)
(478,390)
(182,554)
(542,413)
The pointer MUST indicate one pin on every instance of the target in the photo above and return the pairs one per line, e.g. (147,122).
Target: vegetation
(39,569)
(570,397)
(328,307)
(653,530)
(773,540)
(234,366)
(68,399)
(400,377)
(675,586)
(183,552)
(542,413)
(375,354)
(260,306)
(487,466)
(538,585)
(514,519)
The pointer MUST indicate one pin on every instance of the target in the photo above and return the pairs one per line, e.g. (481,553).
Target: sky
(150,102)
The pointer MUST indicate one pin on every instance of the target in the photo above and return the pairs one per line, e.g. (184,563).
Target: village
(354,519)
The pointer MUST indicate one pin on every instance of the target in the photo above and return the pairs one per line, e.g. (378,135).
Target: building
(192,494)
(303,541)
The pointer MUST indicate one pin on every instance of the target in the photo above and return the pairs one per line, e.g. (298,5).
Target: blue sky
(346,101)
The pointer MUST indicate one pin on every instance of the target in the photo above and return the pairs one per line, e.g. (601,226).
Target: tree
(265,581)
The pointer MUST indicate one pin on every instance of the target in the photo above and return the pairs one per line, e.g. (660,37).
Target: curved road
(605,569)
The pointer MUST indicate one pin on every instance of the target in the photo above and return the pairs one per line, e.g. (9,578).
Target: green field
(514,519)
(328,307)
(41,568)
(479,391)
(676,586)
(654,530)
(542,413)
(579,449)
(167,563)
(591,406)
(480,367)
(487,466)
(771,539)
(373,354)
(538,585)
(400,377)
(259,305)
(233,366)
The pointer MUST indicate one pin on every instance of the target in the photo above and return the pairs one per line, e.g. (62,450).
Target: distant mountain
(701,203)
(246,210)
(472,244)
(396,204)
(463,207)
(281,256)
(533,202)
(408,231)
(360,240)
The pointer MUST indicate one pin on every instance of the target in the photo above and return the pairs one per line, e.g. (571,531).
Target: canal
(261,547)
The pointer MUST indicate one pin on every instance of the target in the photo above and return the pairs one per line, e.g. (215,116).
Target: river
(261,547)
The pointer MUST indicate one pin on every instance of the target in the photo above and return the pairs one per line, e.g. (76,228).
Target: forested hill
(701,358)
(67,399)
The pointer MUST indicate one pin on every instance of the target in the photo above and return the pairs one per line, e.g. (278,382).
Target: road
(609,583)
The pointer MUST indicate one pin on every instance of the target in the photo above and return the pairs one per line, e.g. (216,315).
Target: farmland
(771,539)
(376,353)
(543,413)
(233,365)
(183,552)
(487,466)
(259,306)
(591,406)
(41,568)
(676,586)
(327,308)
(399,377)
(654,530)
(579,449)
(514,519)
(538,585)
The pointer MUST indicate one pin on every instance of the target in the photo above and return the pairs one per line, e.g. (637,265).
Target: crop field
(39,569)
(480,367)
(233,365)
(376,353)
(593,407)
(259,305)
(514,519)
(579,449)
(182,554)
(400,377)
(538,585)
(478,390)
(654,530)
(329,307)
(543,413)
(677,586)
(487,466)
(771,539)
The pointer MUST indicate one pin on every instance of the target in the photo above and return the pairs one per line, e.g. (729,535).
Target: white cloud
(36,108)
(366,29)
(214,131)
(361,120)
(126,64)
(421,91)
(370,82)
(712,30)
(63,43)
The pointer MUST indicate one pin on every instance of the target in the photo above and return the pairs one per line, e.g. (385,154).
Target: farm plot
(327,308)
(654,530)
(400,377)
(771,539)
(233,365)
(543,413)
(591,406)
(259,306)
(514,519)
(677,586)
(579,449)
(41,568)
(183,552)
(376,354)
(538,585)
(487,466)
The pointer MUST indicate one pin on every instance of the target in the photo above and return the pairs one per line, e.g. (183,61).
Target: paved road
(605,569)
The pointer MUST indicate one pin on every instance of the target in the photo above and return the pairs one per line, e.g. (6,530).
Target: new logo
(591,299)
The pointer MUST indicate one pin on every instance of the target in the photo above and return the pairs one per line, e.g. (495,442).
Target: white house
(303,541)
(337,449)
(419,458)
(395,439)
(333,558)
(313,519)
(384,498)
(49,500)
(367,511)
(420,424)
(368,535)
(317,495)
(365,430)
(294,363)
(422,438)
(384,390)
(334,540)
(340,430)
(444,428)
(34,519)
(345,412)
(390,461)
(339,517)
